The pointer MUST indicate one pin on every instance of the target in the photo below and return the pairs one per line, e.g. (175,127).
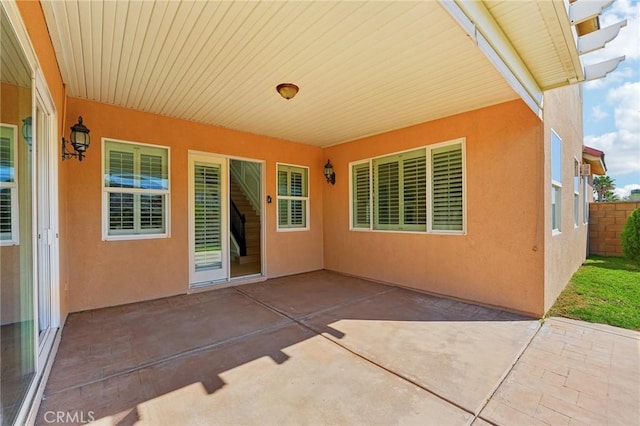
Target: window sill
(292,229)
(135,237)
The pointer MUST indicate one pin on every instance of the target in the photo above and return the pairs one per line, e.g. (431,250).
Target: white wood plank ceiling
(14,68)
(362,67)
(546,53)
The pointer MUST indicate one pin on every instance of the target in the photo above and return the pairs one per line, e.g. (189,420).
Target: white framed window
(421,190)
(8,185)
(576,192)
(585,199)
(556,182)
(292,197)
(360,178)
(136,190)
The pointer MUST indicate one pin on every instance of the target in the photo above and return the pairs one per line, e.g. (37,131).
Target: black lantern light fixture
(329,174)
(79,139)
(26,130)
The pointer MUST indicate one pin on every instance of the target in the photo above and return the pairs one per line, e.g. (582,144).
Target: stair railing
(238,228)
(247,175)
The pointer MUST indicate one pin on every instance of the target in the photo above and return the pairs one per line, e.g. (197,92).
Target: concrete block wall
(606,221)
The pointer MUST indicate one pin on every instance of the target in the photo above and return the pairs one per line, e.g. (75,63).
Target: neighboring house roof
(362,67)
(595,157)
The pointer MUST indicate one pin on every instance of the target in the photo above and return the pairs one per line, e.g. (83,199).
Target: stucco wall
(606,221)
(105,273)
(500,259)
(564,251)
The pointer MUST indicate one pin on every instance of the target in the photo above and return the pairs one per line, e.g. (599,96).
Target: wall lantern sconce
(79,140)
(287,90)
(329,174)
(26,130)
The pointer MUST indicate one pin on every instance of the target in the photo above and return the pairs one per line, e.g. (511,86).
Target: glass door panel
(208,220)
(17,331)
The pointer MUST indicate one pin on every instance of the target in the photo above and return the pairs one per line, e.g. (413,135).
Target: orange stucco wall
(564,251)
(105,273)
(500,260)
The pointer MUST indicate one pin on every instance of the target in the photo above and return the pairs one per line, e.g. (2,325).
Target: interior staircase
(252,224)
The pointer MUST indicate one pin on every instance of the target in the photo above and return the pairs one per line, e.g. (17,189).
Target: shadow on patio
(319,348)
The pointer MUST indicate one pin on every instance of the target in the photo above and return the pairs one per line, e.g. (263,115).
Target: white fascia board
(477,22)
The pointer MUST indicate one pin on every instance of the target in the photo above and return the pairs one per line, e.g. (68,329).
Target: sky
(611,109)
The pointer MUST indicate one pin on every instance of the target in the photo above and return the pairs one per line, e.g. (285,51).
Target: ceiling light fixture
(287,90)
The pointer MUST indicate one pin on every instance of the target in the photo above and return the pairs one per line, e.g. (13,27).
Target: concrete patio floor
(323,348)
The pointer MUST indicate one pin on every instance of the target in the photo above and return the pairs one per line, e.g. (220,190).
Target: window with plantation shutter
(293,197)
(446,184)
(420,191)
(361,193)
(400,191)
(8,187)
(136,188)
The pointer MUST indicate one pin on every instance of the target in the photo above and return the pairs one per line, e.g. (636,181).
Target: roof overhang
(363,68)
(595,158)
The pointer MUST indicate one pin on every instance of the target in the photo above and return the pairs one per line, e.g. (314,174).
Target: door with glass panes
(208,228)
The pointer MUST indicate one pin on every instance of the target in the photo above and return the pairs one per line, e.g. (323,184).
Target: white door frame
(263,234)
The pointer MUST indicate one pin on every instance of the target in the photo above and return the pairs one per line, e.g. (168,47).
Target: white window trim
(13,190)
(576,193)
(106,191)
(351,227)
(556,184)
(429,228)
(306,199)
(558,229)
(585,200)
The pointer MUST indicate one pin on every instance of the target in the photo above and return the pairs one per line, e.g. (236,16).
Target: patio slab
(323,348)
(301,295)
(104,342)
(572,373)
(456,350)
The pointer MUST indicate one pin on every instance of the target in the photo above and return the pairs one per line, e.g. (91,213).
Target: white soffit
(540,32)
(14,68)
(363,67)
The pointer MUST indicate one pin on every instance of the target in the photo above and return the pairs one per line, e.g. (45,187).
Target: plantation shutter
(283,205)
(387,193)
(297,212)
(152,176)
(415,192)
(120,174)
(6,160)
(137,182)
(447,179)
(7,172)
(5,214)
(292,197)
(361,195)
(208,216)
(400,192)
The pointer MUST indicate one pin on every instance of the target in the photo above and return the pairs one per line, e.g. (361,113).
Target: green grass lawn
(604,290)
